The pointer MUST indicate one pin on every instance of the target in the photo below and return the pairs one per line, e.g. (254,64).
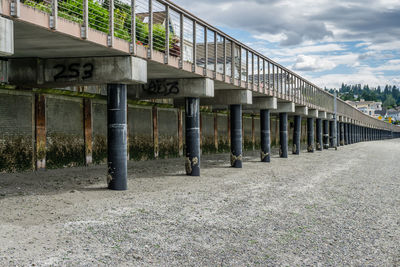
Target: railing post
(150,37)
(194,46)
(14,8)
(182,40)
(54,14)
(215,55)
(224,58)
(166,55)
(110,39)
(205,51)
(132,46)
(85,23)
(233,62)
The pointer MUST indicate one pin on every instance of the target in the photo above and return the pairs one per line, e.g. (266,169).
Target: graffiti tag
(73,71)
(161,87)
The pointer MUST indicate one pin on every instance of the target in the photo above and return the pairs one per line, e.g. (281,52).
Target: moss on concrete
(99,149)
(168,147)
(64,151)
(16,154)
(208,146)
(223,146)
(247,143)
(141,148)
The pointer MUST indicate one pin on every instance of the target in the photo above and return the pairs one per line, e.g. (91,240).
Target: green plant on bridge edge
(99,19)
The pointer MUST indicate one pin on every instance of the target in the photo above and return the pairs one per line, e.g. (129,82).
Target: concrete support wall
(42,129)
(16,132)
(65,145)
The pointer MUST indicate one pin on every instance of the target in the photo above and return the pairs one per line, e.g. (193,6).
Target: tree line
(389,95)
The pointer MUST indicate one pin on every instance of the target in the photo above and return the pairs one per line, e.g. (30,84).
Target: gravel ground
(330,208)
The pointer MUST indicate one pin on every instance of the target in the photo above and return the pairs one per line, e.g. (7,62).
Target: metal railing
(160,26)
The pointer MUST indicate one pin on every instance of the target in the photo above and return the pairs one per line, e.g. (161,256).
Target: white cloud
(312,63)
(361,77)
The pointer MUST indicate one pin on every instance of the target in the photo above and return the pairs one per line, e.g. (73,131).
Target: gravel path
(330,208)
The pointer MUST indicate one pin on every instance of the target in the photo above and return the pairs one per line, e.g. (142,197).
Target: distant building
(380,113)
(394,114)
(367,107)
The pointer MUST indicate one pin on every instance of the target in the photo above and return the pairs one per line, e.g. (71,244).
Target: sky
(328,42)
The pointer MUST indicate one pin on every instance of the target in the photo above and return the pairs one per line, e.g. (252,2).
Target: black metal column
(117,137)
(350,133)
(319,134)
(326,134)
(341,133)
(236,136)
(192,135)
(296,135)
(283,134)
(355,133)
(265,119)
(337,134)
(346,133)
(310,135)
(331,134)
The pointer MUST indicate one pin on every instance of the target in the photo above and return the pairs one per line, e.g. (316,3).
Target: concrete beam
(63,72)
(322,115)
(313,113)
(301,110)
(229,97)
(329,116)
(285,107)
(6,37)
(260,103)
(173,88)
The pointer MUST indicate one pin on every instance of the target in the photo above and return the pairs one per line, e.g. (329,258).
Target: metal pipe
(117,136)
(192,135)
(326,134)
(310,135)
(265,119)
(296,135)
(332,133)
(319,135)
(283,134)
(236,135)
(341,133)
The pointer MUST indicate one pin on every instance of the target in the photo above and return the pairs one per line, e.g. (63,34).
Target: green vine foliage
(99,19)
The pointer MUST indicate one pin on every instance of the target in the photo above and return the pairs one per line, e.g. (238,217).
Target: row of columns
(326,131)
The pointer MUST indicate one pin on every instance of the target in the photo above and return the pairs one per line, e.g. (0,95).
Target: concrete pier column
(296,135)
(236,136)
(192,135)
(319,134)
(265,119)
(341,133)
(310,135)
(326,134)
(117,137)
(283,135)
(331,134)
